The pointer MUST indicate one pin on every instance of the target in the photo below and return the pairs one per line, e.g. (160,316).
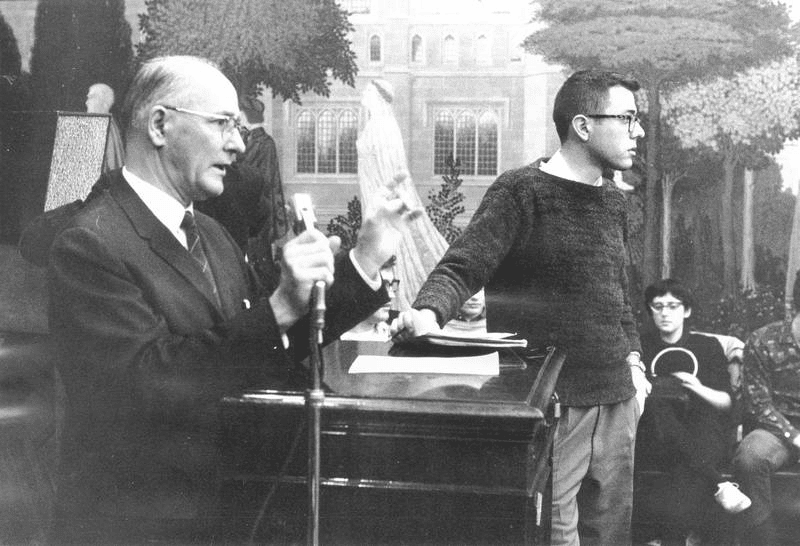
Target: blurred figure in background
(100,100)
(252,207)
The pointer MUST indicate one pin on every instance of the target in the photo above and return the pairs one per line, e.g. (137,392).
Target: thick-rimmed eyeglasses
(632,119)
(669,306)
(226,123)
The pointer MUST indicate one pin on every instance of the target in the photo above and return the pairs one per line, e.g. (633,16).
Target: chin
(623,165)
(212,189)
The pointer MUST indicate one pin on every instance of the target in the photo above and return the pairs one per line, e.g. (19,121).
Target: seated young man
(691,440)
(771,421)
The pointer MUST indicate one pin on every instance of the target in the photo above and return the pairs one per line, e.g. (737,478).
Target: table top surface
(506,393)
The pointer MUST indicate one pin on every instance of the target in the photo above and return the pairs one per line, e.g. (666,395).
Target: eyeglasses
(632,119)
(226,123)
(670,306)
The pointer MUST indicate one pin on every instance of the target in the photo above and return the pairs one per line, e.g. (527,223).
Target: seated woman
(689,439)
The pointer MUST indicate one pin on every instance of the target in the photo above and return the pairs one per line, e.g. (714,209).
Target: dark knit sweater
(551,254)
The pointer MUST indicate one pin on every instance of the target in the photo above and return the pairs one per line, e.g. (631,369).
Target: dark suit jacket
(145,354)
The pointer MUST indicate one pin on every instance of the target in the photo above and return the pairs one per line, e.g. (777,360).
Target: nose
(234,141)
(638,130)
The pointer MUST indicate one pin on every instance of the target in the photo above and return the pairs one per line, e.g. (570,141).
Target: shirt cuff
(373,282)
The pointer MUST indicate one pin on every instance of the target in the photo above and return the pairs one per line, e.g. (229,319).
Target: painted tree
(289,47)
(662,44)
(10,60)
(76,44)
(678,166)
(743,120)
(13,81)
(695,251)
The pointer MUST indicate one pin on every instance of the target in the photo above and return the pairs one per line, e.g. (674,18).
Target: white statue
(382,161)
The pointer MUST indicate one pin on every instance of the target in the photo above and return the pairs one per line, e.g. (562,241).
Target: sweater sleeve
(473,258)
(627,320)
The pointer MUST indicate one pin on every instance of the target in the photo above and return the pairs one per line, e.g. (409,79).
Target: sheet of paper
(488,364)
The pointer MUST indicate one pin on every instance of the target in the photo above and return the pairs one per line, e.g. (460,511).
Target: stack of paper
(491,340)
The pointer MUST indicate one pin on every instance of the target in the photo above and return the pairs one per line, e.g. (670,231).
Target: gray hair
(158,79)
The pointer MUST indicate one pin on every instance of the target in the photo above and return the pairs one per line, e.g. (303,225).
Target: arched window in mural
(306,143)
(348,133)
(443,139)
(326,140)
(326,143)
(465,141)
(483,51)
(375,53)
(487,144)
(470,135)
(417,53)
(450,50)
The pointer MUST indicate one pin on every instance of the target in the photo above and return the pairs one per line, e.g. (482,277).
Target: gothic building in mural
(462,86)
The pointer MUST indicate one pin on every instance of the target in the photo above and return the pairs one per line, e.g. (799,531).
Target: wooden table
(406,458)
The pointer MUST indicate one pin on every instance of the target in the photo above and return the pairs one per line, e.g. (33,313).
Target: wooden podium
(406,458)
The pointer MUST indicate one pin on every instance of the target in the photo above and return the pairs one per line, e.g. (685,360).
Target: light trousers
(593,474)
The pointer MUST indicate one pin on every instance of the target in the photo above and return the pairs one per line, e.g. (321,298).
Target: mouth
(222,167)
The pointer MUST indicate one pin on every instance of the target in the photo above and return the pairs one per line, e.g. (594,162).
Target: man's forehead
(211,92)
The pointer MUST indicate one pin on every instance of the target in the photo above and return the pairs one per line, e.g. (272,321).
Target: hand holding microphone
(306,267)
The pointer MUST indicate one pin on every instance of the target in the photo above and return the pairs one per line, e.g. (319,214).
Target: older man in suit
(155,314)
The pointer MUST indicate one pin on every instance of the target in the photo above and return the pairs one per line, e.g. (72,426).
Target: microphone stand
(315,398)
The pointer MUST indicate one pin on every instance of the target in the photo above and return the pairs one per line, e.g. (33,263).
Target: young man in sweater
(550,242)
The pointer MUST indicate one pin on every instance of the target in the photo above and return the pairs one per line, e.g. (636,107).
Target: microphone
(318,308)
(304,220)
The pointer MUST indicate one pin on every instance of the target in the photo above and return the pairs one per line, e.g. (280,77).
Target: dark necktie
(195,246)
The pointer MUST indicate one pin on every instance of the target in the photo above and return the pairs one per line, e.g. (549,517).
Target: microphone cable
(281,474)
(315,340)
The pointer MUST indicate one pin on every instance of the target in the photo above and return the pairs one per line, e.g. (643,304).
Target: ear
(687,312)
(155,126)
(581,127)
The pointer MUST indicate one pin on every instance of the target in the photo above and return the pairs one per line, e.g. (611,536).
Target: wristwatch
(638,363)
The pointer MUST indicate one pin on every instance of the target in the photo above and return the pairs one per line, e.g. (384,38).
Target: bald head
(99,99)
